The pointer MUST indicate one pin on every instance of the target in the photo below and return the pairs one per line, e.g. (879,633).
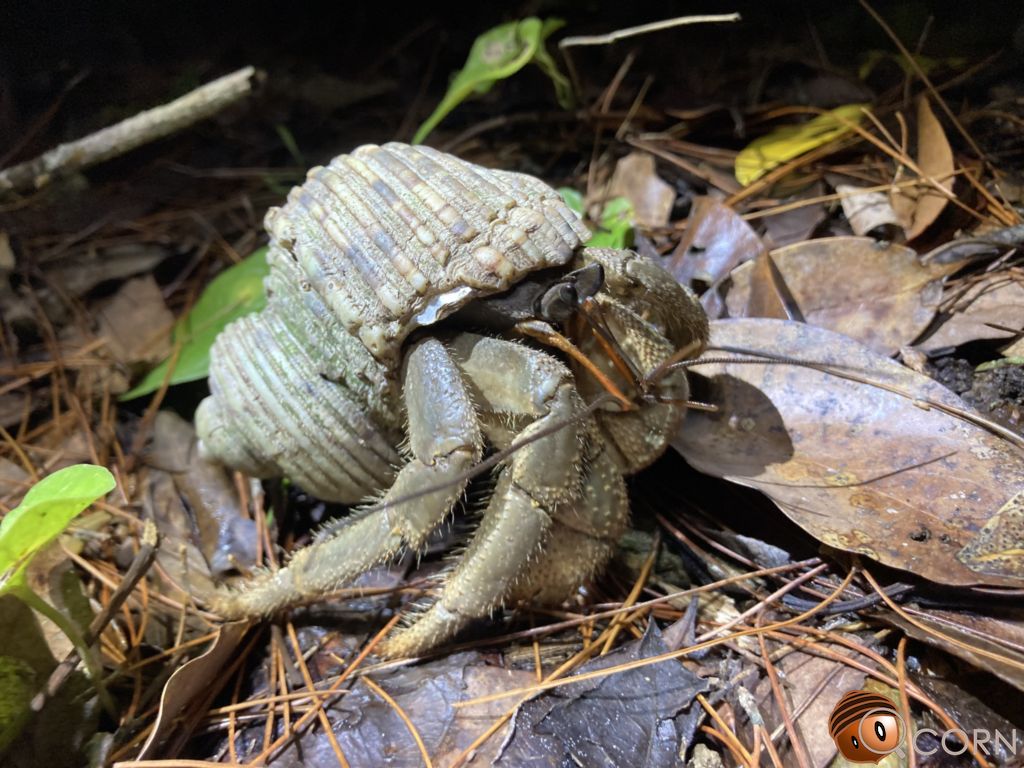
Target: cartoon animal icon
(866,727)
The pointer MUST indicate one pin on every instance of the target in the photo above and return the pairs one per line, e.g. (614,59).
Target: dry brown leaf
(804,694)
(636,179)
(370,732)
(189,682)
(1016,349)
(14,480)
(636,717)
(137,323)
(877,293)
(998,299)
(181,573)
(797,223)
(715,242)
(861,468)
(13,408)
(918,207)
(769,294)
(997,547)
(226,534)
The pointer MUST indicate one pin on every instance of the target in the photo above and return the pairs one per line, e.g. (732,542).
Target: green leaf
(497,54)
(615,230)
(789,141)
(573,198)
(563,88)
(47,509)
(17,685)
(235,292)
(616,227)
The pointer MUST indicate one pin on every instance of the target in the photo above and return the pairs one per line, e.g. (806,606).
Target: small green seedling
(615,229)
(574,199)
(496,55)
(235,292)
(45,512)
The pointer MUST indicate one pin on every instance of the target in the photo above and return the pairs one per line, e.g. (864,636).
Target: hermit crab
(428,318)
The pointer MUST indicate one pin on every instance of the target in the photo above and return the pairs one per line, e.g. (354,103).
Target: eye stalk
(563,299)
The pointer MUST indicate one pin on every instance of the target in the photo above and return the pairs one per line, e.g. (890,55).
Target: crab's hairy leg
(507,378)
(583,535)
(445,440)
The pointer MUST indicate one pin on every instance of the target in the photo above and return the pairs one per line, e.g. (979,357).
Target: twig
(643,29)
(908,723)
(795,742)
(403,717)
(913,64)
(700,644)
(137,570)
(115,140)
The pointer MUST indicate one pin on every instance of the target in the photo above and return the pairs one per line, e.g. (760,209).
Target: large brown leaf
(859,467)
(877,293)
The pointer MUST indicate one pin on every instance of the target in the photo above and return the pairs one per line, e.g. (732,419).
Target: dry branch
(125,136)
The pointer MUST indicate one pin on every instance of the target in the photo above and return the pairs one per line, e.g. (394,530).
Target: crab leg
(445,441)
(583,535)
(513,381)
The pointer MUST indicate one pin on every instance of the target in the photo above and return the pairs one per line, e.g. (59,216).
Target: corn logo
(866,727)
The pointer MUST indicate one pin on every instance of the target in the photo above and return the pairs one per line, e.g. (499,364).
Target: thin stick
(115,140)
(643,29)
(908,723)
(140,565)
(309,715)
(700,644)
(799,751)
(403,717)
(726,733)
(317,703)
(621,619)
(912,63)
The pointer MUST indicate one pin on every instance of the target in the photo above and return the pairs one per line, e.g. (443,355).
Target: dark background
(126,56)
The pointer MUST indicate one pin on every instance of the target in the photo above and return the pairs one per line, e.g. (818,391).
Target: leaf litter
(861,211)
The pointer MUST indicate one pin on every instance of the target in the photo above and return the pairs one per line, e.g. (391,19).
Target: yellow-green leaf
(235,292)
(47,509)
(497,54)
(789,141)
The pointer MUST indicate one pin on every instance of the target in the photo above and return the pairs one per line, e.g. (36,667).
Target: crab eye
(558,303)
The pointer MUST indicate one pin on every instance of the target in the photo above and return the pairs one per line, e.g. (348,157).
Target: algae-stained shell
(394,237)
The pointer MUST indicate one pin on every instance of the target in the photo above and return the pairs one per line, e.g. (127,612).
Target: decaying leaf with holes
(422,311)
